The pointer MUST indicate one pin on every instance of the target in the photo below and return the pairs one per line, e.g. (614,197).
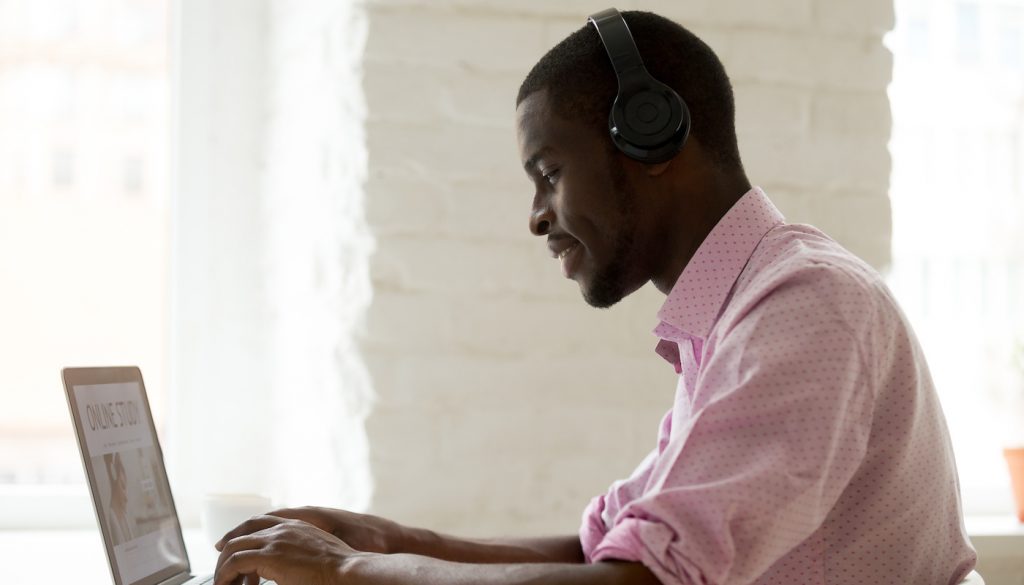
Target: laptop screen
(129,484)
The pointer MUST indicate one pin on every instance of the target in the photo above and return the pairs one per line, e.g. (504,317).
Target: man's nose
(541,217)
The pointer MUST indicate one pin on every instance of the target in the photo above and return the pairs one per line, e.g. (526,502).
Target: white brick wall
(504,402)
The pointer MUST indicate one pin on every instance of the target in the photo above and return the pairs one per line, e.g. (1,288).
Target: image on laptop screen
(133,497)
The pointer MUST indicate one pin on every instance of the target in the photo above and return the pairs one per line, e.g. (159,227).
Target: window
(1011,45)
(958,215)
(968,28)
(264,311)
(84,267)
(131,178)
(63,168)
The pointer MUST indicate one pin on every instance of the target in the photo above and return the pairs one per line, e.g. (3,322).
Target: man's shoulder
(798,267)
(796,253)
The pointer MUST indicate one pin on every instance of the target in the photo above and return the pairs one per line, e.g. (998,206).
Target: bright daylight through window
(84,221)
(958,218)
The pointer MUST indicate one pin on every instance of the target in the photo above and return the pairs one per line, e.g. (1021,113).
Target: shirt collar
(693,304)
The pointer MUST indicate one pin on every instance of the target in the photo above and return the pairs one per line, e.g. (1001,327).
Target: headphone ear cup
(651,124)
(646,113)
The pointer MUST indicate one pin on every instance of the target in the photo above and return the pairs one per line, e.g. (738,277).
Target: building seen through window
(84,221)
(958,220)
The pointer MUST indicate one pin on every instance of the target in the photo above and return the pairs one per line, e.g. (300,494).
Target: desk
(35,557)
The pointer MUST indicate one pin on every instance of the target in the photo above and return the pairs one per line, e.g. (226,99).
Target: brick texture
(504,402)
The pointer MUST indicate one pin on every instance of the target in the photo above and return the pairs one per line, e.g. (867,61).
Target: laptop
(127,478)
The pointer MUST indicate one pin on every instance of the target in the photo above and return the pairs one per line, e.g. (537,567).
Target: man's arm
(368,533)
(413,569)
(555,549)
(292,552)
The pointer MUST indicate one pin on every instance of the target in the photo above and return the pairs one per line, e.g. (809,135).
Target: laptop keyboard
(209,580)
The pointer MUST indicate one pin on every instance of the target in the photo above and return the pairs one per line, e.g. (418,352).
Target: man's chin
(604,294)
(601,297)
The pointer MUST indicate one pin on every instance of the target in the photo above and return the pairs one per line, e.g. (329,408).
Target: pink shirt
(806,444)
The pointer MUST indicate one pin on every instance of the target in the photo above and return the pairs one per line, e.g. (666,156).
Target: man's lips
(562,246)
(567,250)
(565,253)
(570,259)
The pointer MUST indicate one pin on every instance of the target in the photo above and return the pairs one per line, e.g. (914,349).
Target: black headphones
(649,121)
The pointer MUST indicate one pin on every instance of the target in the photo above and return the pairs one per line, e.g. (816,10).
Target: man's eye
(551,177)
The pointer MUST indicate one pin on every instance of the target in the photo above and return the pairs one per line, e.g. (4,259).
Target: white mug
(223,512)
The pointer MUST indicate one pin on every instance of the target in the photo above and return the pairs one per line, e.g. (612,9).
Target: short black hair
(582,85)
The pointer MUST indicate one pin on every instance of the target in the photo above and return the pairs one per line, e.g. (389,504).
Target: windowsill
(75,556)
(999,541)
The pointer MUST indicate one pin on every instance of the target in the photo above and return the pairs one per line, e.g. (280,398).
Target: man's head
(611,217)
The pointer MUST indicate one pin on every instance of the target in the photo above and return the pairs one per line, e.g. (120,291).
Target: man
(805,443)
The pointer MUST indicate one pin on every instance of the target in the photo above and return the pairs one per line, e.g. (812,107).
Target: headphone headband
(619,43)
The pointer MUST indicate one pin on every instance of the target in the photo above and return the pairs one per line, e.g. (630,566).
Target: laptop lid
(125,468)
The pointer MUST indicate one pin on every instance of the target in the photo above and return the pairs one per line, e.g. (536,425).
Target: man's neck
(691,222)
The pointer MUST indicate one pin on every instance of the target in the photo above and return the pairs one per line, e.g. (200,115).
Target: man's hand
(290,552)
(360,531)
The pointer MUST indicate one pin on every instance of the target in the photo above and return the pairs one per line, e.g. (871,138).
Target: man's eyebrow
(531,163)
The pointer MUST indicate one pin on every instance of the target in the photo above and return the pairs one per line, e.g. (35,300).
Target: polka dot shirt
(806,444)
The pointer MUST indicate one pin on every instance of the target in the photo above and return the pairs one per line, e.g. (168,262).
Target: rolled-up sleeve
(595,516)
(593,529)
(778,424)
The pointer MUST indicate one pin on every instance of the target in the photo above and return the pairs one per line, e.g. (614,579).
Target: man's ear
(659,168)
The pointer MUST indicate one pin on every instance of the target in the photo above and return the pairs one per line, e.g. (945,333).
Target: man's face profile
(582,201)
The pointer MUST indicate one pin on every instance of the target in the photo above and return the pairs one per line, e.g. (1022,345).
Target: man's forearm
(407,569)
(558,549)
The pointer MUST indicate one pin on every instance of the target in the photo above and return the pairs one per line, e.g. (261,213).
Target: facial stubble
(610,282)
